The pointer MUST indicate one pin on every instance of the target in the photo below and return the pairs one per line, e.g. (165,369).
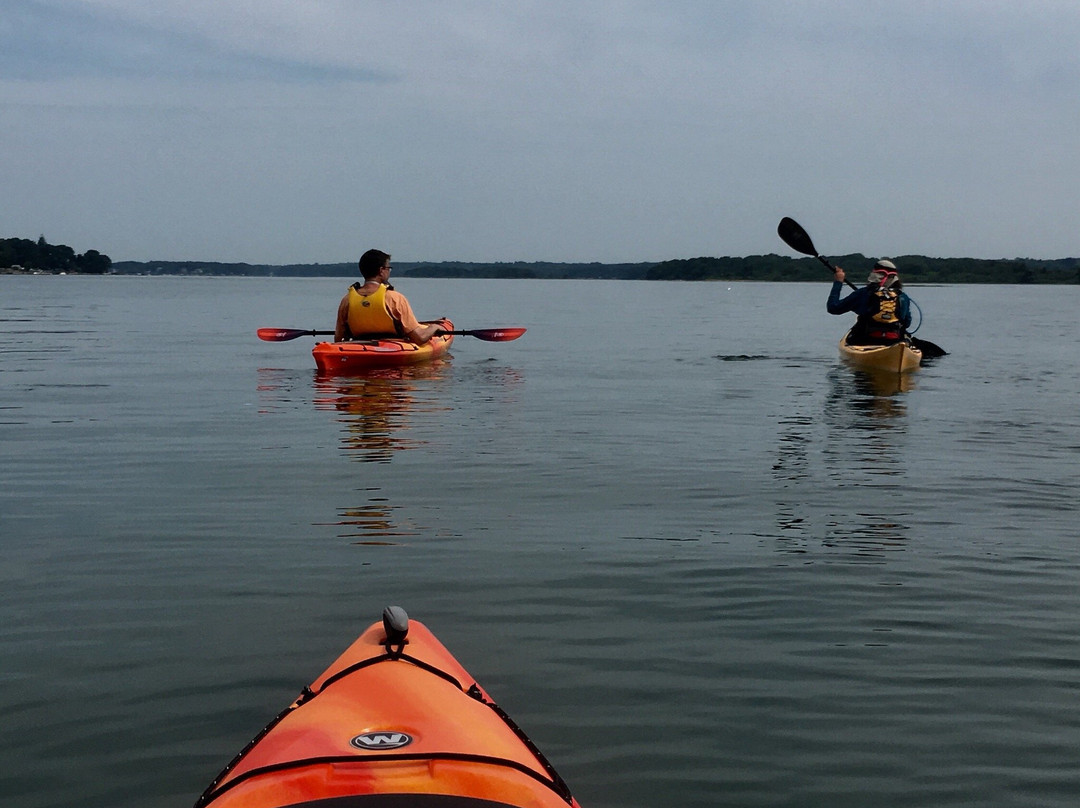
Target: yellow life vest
(368,315)
(887,304)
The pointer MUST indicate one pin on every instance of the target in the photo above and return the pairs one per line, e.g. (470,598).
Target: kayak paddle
(799,240)
(286,334)
(486,334)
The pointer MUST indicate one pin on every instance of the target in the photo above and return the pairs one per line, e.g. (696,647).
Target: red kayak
(396,721)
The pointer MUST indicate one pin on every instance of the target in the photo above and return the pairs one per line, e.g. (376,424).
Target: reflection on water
(873,532)
(796,434)
(277,388)
(375,412)
(377,406)
(871,392)
(390,410)
(373,523)
(867,427)
(842,469)
(866,399)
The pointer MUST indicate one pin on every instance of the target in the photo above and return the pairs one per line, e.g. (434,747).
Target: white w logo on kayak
(381,740)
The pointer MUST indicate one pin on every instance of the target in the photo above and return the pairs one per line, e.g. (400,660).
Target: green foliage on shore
(41,256)
(912,269)
(427,269)
(22,253)
(777,268)
(528,269)
(348,270)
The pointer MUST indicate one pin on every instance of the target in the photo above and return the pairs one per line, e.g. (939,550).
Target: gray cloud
(48,42)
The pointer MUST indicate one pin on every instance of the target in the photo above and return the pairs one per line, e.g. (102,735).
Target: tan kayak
(899,357)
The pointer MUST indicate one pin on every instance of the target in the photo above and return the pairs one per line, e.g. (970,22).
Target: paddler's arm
(835,305)
(424,333)
(398,306)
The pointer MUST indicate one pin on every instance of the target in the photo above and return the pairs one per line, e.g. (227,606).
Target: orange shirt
(401,311)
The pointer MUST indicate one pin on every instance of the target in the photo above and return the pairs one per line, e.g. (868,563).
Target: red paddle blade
(279,334)
(496,334)
(285,334)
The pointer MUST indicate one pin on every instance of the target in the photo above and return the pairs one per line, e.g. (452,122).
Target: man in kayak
(373,308)
(884,311)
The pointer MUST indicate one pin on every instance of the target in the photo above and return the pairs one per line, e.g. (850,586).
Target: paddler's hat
(880,270)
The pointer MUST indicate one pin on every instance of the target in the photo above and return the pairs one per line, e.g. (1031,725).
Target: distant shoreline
(914,269)
(26,257)
(21,271)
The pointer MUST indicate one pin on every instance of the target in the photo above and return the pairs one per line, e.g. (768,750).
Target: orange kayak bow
(396,721)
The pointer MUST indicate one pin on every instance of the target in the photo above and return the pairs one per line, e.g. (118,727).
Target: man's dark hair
(371,262)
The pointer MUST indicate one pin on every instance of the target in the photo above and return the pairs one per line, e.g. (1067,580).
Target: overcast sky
(282,131)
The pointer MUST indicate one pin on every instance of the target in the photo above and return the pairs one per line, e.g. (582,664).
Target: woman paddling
(884,311)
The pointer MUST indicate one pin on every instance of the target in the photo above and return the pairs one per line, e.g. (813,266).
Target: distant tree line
(40,255)
(529,269)
(426,269)
(912,269)
(222,268)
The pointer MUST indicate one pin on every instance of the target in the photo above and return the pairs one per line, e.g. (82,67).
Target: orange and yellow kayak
(357,356)
(395,721)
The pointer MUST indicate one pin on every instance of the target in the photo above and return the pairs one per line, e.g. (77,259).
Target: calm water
(697,559)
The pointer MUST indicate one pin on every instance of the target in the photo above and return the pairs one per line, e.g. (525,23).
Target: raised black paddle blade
(795,237)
